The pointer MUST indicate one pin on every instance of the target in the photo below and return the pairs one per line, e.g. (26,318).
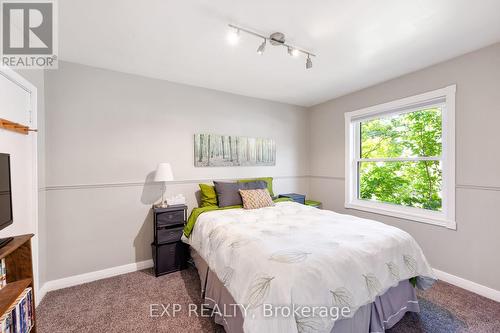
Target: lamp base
(162,204)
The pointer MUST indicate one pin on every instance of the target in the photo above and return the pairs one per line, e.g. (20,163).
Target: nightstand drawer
(165,235)
(167,218)
(169,257)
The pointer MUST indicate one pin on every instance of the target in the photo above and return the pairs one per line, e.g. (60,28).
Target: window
(400,158)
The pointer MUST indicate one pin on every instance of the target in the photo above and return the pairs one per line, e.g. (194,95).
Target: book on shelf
(19,317)
(3,273)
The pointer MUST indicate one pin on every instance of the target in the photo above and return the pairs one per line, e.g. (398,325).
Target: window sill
(407,213)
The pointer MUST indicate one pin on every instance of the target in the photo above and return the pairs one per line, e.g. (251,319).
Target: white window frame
(446,217)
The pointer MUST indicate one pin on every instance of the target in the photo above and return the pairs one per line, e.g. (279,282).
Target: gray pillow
(256,185)
(228,193)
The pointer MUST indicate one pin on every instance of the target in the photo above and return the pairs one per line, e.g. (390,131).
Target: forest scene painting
(212,150)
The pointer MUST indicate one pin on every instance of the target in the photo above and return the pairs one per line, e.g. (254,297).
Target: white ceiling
(359,42)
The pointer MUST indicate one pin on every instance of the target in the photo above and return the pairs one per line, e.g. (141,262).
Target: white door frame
(18,79)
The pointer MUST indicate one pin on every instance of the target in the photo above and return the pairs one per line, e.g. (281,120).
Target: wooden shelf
(11,292)
(14,244)
(19,265)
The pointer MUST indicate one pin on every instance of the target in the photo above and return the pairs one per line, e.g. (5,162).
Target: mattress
(386,311)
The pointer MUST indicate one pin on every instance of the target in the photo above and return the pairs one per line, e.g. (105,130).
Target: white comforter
(293,255)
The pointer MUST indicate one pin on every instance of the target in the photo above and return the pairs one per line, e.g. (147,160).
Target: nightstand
(300,198)
(170,254)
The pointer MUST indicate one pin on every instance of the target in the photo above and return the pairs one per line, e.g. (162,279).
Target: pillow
(255,185)
(253,199)
(268,180)
(228,195)
(208,195)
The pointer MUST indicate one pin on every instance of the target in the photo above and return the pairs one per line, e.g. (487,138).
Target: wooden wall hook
(15,127)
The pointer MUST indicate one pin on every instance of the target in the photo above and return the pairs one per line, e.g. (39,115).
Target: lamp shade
(164,173)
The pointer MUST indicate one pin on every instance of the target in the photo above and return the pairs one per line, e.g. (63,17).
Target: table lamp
(163,174)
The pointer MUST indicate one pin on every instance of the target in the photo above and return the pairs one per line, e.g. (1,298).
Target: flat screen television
(5,195)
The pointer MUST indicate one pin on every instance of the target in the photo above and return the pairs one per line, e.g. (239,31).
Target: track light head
(262,47)
(233,36)
(309,62)
(292,52)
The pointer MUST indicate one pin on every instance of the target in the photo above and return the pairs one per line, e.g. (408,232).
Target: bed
(294,268)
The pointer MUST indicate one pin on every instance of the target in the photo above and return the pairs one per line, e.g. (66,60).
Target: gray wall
(105,133)
(471,252)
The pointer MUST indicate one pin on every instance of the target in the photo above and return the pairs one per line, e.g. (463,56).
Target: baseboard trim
(75,280)
(129,268)
(468,285)
(40,294)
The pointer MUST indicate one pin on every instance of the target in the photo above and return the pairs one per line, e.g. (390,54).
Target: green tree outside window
(400,159)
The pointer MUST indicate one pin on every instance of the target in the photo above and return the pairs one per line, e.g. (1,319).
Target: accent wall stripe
(460,186)
(327,177)
(139,184)
(478,187)
(196,181)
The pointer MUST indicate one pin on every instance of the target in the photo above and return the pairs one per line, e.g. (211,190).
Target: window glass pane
(413,184)
(414,134)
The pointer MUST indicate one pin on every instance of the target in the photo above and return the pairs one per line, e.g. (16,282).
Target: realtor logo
(29,34)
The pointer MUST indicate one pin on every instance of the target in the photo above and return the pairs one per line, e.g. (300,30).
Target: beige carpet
(122,304)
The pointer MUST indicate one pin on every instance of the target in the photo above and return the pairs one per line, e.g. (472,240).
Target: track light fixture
(275,39)
(309,62)
(262,47)
(293,52)
(233,36)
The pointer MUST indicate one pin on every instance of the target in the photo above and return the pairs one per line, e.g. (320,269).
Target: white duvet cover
(296,257)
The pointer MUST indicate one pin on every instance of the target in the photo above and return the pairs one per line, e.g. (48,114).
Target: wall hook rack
(15,127)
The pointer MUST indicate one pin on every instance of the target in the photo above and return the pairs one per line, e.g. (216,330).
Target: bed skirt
(382,314)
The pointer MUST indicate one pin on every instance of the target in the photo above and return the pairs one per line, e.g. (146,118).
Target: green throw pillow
(268,180)
(208,195)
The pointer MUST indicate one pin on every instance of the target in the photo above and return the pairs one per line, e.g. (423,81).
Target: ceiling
(358,42)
